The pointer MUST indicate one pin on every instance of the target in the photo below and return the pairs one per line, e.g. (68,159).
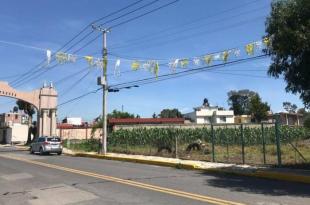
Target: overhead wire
(127,21)
(145,81)
(189,71)
(165,41)
(74,84)
(38,66)
(181,29)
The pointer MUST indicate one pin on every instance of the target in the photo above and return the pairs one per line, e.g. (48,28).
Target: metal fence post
(242,143)
(176,146)
(277,132)
(212,141)
(264,144)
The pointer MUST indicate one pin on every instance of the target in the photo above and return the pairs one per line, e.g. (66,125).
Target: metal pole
(278,140)
(242,143)
(176,147)
(212,141)
(264,144)
(105,93)
(103,81)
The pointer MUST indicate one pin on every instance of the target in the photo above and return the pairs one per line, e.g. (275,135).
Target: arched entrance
(45,102)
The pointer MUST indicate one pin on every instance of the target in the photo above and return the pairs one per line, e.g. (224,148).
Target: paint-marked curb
(259,173)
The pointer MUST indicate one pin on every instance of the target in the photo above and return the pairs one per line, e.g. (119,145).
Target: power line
(79,97)
(75,84)
(190,71)
(144,81)
(26,74)
(127,21)
(144,14)
(162,33)
(152,44)
(99,19)
(134,18)
(111,20)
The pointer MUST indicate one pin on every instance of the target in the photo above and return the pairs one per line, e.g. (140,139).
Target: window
(16,117)
(222,119)
(55,139)
(41,139)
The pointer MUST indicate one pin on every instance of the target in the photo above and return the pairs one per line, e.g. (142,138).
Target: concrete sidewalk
(292,175)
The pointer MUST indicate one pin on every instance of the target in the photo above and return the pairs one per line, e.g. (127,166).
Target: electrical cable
(136,83)
(189,71)
(26,74)
(75,84)
(144,14)
(151,44)
(164,34)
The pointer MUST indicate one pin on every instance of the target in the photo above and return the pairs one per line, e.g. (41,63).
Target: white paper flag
(196,61)
(48,56)
(117,70)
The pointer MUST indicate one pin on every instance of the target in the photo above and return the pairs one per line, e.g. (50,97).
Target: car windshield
(53,139)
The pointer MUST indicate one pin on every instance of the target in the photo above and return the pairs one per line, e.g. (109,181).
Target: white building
(210,114)
(73,121)
(13,128)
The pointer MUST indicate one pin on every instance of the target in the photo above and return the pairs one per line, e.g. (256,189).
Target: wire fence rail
(257,144)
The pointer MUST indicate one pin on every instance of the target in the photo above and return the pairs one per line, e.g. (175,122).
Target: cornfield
(232,136)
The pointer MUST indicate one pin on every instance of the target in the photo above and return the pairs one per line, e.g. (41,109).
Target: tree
(302,111)
(289,107)
(170,113)
(115,114)
(29,110)
(154,115)
(205,102)
(120,114)
(15,109)
(288,28)
(239,100)
(258,109)
(307,121)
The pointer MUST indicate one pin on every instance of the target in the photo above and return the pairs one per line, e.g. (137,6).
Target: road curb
(259,173)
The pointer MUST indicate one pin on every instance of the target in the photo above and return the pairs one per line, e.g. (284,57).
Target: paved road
(33,179)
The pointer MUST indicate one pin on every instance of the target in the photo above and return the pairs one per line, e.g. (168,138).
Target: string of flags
(153,65)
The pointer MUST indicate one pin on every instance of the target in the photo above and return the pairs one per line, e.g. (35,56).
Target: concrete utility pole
(103,81)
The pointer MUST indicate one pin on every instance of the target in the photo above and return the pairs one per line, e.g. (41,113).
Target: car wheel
(31,150)
(41,151)
(59,153)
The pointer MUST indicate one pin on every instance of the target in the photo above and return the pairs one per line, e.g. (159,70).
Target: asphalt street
(52,179)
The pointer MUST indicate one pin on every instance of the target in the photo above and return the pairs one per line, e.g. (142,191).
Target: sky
(185,29)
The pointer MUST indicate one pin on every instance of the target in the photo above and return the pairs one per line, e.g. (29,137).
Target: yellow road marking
(132,183)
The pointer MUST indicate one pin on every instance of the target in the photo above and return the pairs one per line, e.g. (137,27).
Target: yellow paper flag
(225,55)
(89,60)
(156,69)
(266,41)
(249,49)
(135,65)
(184,63)
(208,59)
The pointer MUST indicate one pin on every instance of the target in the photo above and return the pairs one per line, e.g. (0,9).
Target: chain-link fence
(265,143)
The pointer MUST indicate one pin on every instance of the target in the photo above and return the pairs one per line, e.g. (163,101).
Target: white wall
(19,132)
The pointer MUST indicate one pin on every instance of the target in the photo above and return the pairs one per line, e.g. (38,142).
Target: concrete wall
(17,133)
(77,133)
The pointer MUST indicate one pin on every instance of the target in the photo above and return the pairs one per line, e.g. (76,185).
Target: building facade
(285,118)
(13,128)
(210,115)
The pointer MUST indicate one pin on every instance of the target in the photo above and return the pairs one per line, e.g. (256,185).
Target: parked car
(46,145)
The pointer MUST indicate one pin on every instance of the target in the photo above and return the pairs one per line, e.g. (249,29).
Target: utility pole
(103,81)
